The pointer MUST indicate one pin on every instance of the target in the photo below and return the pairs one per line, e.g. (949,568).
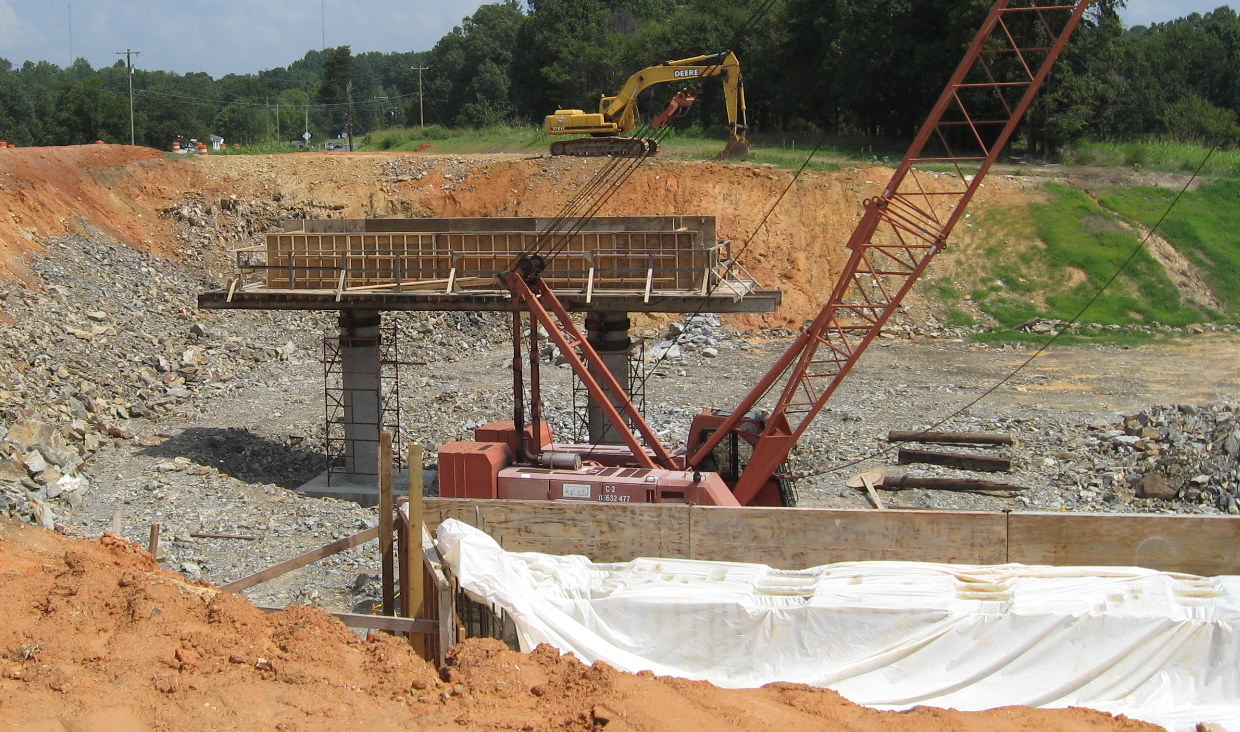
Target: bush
(1193,119)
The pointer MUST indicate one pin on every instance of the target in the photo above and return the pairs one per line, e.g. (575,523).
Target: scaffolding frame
(636,385)
(337,404)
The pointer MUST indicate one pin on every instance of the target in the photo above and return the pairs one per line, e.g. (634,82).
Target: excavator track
(605,147)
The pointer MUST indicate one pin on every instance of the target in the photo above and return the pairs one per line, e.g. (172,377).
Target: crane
(618,114)
(733,457)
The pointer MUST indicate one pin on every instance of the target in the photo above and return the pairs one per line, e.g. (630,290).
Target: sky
(246,36)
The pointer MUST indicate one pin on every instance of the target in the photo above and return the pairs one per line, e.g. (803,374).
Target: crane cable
(732,262)
(1042,348)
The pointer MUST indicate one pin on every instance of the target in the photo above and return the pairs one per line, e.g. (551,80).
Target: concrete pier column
(363,408)
(608,332)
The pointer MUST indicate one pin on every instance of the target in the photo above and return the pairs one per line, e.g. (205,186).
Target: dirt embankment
(117,189)
(121,191)
(97,638)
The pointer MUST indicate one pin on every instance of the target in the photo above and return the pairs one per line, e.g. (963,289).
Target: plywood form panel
(793,538)
(1203,545)
(602,532)
(621,259)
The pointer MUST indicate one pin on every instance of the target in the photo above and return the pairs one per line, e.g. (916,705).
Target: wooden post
(153,546)
(412,558)
(385,523)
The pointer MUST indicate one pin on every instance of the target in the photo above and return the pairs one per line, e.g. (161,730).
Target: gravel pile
(1180,453)
(407,168)
(114,336)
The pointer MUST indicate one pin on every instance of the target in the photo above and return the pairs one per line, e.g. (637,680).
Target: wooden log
(950,438)
(207,535)
(386,559)
(898,482)
(302,560)
(982,463)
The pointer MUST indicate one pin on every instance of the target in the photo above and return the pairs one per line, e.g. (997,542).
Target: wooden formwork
(599,260)
(796,538)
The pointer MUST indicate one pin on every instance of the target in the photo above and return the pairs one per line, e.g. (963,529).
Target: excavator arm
(622,108)
(899,234)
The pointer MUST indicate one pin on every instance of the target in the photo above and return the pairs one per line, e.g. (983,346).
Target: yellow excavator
(617,115)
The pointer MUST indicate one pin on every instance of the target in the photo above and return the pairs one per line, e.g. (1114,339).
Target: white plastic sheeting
(1152,645)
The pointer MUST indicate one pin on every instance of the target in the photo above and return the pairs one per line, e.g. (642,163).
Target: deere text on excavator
(617,115)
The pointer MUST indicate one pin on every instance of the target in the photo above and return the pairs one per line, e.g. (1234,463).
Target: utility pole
(323,23)
(421,117)
(348,88)
(129,54)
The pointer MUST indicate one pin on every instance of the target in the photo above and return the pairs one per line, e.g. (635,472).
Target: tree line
(841,67)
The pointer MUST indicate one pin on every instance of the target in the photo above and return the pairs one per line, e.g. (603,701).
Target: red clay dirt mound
(96,637)
(118,189)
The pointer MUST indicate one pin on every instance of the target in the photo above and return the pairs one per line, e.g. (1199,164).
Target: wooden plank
(404,568)
(377,622)
(386,558)
(302,560)
(950,438)
(1202,545)
(869,489)
(444,594)
(984,463)
(795,538)
(603,532)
